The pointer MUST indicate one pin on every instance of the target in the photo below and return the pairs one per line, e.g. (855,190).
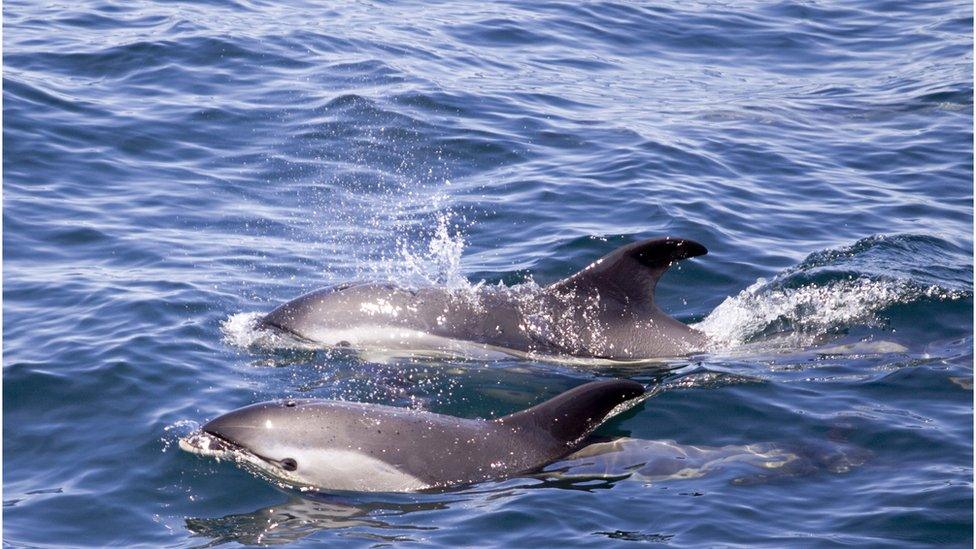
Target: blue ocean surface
(174,169)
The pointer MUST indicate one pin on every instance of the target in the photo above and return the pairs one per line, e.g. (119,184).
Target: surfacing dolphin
(605,311)
(336,445)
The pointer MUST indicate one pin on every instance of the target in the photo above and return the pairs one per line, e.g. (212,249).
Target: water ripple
(172,169)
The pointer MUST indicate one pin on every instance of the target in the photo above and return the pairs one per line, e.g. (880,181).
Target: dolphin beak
(282,321)
(220,431)
(239,427)
(297,316)
(206,444)
(230,434)
(222,436)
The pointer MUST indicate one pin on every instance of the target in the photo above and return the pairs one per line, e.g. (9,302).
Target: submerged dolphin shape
(336,445)
(605,311)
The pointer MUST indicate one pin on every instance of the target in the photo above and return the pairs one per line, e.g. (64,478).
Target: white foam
(241,330)
(803,314)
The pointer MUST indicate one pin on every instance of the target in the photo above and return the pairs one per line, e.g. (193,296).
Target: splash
(175,431)
(241,330)
(439,263)
(829,291)
(805,312)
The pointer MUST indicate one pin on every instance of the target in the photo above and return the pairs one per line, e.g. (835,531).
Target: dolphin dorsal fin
(630,273)
(570,416)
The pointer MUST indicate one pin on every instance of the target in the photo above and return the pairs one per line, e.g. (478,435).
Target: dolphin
(348,446)
(605,312)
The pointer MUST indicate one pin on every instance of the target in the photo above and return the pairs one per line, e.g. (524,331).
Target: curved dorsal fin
(631,272)
(572,415)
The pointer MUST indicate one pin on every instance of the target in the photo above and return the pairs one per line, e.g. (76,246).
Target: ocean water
(173,169)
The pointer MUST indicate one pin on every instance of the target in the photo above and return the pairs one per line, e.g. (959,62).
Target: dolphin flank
(605,311)
(336,445)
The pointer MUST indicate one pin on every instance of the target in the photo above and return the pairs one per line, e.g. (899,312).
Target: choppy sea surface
(173,169)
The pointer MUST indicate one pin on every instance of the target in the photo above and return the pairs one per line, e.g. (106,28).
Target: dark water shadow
(300,516)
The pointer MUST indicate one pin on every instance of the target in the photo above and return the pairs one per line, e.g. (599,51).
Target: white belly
(380,342)
(353,471)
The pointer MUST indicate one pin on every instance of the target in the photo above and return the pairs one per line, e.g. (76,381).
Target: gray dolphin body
(335,445)
(605,311)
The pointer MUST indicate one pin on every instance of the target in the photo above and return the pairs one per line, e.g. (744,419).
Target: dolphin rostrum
(605,311)
(337,445)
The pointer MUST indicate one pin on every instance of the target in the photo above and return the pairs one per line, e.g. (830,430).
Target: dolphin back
(571,416)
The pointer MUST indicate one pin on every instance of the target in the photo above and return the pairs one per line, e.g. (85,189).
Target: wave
(836,289)
(806,313)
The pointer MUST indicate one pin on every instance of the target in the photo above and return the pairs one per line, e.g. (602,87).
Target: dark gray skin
(334,445)
(605,311)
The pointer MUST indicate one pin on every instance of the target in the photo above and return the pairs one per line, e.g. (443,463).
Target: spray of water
(830,291)
(439,262)
(803,314)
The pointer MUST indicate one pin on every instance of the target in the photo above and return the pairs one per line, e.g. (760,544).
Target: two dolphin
(605,311)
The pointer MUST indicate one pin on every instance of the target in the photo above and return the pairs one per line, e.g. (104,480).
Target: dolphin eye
(290,403)
(288,464)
